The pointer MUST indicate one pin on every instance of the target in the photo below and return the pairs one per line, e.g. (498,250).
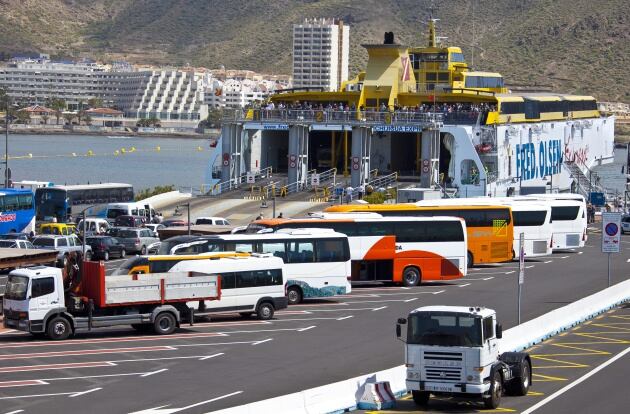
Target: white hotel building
(321,49)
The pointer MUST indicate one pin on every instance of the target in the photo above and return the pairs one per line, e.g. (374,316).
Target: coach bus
(317,261)
(407,250)
(530,216)
(568,222)
(489,228)
(17,211)
(61,202)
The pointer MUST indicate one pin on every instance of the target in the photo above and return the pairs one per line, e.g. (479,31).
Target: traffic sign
(251,178)
(611,232)
(597,199)
(315,180)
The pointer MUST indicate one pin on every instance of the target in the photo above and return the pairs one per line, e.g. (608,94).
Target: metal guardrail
(224,186)
(384,181)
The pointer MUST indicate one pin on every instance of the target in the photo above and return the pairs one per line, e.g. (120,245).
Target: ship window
(484,82)
(512,108)
(457,57)
(470,172)
(532,111)
(443,76)
(431,77)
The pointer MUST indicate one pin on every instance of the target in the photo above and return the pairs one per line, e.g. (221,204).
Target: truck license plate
(439,388)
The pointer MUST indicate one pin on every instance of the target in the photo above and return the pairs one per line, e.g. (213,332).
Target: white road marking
(307,328)
(510,272)
(580,252)
(15,412)
(86,352)
(378,301)
(564,257)
(376,309)
(576,382)
(343,310)
(345,317)
(628,261)
(306,319)
(529,267)
(488,278)
(262,341)
(410,300)
(78,394)
(148,374)
(548,261)
(464,285)
(439,291)
(22,383)
(218,344)
(163,410)
(211,356)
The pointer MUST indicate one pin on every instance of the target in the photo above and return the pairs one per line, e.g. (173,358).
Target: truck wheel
(471,262)
(58,329)
(421,397)
(520,385)
(164,324)
(411,277)
(496,388)
(265,311)
(294,294)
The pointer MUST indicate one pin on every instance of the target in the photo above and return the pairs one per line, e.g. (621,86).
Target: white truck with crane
(47,301)
(454,351)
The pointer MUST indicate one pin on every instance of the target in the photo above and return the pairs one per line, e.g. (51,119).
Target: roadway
(231,361)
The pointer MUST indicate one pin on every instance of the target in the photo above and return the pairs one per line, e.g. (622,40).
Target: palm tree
(45,118)
(68,117)
(58,105)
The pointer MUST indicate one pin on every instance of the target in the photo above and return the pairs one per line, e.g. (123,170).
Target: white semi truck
(454,351)
(45,302)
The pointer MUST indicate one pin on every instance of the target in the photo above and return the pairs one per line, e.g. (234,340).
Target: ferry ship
(425,111)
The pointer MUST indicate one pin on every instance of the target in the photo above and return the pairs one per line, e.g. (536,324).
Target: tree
(215,116)
(45,118)
(23,116)
(95,103)
(153,121)
(81,115)
(87,119)
(69,118)
(58,105)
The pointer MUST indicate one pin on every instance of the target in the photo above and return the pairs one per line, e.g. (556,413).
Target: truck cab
(454,350)
(32,295)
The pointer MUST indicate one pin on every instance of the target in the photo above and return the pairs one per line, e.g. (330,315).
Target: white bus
(317,261)
(407,250)
(568,219)
(113,210)
(529,216)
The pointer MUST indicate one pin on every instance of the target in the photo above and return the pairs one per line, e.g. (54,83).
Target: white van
(249,285)
(113,210)
(212,221)
(93,226)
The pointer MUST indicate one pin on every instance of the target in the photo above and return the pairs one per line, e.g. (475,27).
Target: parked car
(155,228)
(93,226)
(212,221)
(63,229)
(130,221)
(136,240)
(64,246)
(104,247)
(174,222)
(15,236)
(625,224)
(15,244)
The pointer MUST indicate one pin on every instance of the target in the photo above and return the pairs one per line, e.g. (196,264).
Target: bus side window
(228,281)
(275,248)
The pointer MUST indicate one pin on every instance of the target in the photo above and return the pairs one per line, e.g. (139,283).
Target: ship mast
(432,37)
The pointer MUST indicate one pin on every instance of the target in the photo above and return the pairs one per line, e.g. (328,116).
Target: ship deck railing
(358,118)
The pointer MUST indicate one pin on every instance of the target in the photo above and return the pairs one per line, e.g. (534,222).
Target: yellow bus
(490,229)
(163,263)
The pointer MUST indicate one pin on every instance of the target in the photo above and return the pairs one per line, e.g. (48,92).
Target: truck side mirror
(398,331)
(402,321)
(499,330)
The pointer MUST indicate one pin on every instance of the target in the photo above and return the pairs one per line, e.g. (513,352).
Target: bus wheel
(411,276)
(470,260)
(294,295)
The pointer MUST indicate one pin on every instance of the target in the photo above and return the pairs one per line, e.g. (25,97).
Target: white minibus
(113,210)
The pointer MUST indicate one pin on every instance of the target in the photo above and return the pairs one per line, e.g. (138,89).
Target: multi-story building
(320,54)
(36,81)
(240,91)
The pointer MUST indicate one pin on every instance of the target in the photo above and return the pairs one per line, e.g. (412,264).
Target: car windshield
(444,329)
(16,287)
(7,243)
(44,242)
(127,234)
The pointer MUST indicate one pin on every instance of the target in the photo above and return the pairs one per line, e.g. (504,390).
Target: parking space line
(576,382)
(87,352)
(464,285)
(23,383)
(71,365)
(567,364)
(546,378)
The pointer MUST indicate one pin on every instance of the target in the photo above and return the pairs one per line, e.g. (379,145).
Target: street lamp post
(6,141)
(187,205)
(82,213)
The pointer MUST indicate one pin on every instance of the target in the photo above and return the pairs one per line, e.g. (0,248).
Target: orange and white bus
(490,228)
(407,250)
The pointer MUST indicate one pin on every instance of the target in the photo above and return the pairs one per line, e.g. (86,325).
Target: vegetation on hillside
(576,46)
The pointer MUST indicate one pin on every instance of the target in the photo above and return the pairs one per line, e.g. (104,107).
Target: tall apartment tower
(321,48)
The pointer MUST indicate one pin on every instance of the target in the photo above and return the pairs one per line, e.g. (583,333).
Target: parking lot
(231,361)
(569,373)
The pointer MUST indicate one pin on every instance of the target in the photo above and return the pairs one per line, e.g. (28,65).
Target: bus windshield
(444,329)
(49,203)
(16,287)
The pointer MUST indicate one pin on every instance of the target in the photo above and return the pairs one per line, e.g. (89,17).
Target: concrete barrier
(344,395)
(377,396)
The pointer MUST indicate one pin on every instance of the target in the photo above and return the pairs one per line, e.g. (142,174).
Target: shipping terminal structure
(423,111)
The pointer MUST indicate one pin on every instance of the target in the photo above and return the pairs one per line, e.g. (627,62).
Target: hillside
(573,45)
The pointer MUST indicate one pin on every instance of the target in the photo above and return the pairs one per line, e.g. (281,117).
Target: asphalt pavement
(231,361)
